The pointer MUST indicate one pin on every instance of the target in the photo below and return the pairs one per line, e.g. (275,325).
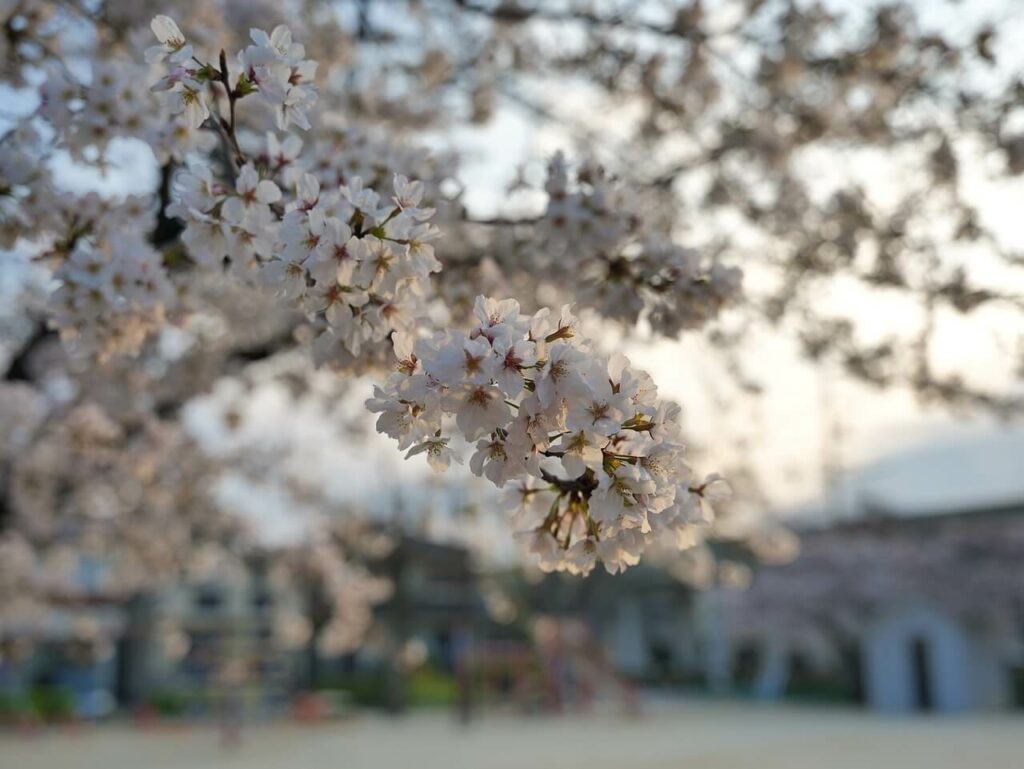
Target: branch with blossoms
(593,235)
(244,217)
(273,67)
(358,264)
(539,404)
(357,267)
(591,453)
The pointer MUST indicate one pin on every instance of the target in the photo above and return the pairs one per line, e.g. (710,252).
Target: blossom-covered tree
(267,212)
(296,204)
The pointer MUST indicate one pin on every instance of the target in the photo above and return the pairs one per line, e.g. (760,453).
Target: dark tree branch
(20,369)
(515,14)
(167,229)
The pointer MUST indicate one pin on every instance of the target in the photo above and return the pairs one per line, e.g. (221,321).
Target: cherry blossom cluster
(591,452)
(357,264)
(578,431)
(22,174)
(339,151)
(112,296)
(114,290)
(594,230)
(27,37)
(273,67)
(31,204)
(114,103)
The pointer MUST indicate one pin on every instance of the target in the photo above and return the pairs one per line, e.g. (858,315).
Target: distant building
(902,613)
(642,619)
(215,621)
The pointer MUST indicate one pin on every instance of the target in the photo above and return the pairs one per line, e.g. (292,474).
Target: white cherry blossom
(560,414)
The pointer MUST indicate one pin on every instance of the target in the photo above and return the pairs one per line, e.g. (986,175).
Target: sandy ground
(704,736)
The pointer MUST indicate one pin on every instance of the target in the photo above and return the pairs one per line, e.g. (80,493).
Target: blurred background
(210,558)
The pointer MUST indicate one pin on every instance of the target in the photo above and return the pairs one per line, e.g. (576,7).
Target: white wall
(964,671)
(712,623)
(628,642)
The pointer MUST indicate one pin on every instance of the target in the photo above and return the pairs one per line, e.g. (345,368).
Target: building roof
(961,471)
(877,516)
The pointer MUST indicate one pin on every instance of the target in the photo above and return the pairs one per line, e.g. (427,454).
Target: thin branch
(510,13)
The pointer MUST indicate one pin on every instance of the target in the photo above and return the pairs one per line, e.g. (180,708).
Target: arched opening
(853,670)
(920,670)
(746,663)
(1017,686)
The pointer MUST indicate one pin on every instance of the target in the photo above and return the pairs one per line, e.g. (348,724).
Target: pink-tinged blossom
(571,434)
